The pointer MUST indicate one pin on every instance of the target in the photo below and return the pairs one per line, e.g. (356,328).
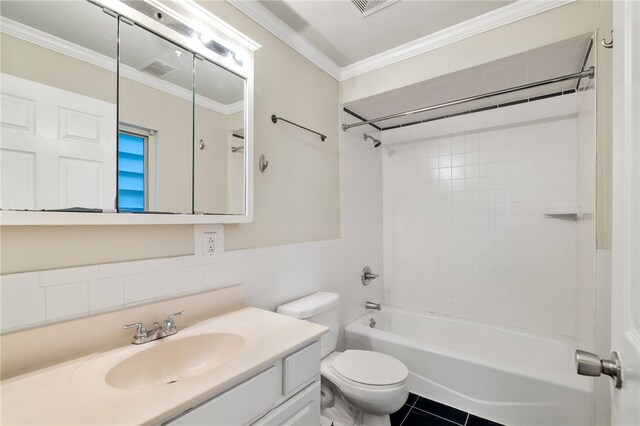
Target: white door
(57,148)
(625,331)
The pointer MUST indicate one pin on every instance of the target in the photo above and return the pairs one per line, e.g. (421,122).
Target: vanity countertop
(75,392)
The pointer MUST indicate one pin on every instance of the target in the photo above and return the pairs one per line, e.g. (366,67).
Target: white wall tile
(167,283)
(139,287)
(16,282)
(485,237)
(22,308)
(121,269)
(69,275)
(106,293)
(192,279)
(67,300)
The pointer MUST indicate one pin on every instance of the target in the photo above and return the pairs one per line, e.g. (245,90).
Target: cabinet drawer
(300,367)
(238,405)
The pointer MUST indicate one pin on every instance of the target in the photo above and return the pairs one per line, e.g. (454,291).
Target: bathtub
(506,375)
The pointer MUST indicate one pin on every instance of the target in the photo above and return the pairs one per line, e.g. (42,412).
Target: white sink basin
(171,361)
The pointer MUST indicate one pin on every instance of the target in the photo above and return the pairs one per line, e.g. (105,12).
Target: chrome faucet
(167,328)
(371,305)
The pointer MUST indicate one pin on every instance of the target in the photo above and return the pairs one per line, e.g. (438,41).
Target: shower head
(376,142)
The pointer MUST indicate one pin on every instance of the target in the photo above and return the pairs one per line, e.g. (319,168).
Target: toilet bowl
(372,382)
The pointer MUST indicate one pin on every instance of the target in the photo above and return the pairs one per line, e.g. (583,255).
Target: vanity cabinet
(287,391)
(301,410)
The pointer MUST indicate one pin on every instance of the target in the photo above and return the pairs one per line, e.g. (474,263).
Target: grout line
(405,416)
(443,418)
(410,408)
(466,420)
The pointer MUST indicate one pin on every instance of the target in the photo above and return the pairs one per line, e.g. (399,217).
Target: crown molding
(40,38)
(505,15)
(276,26)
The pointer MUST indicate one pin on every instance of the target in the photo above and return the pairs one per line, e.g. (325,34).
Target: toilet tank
(321,308)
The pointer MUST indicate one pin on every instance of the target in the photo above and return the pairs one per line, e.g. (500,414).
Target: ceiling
(342,32)
(539,64)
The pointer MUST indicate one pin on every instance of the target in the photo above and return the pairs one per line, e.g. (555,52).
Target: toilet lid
(370,368)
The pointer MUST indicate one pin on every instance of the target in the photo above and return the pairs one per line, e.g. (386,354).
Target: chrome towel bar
(275,119)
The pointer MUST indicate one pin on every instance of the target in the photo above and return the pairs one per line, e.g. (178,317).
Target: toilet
(370,381)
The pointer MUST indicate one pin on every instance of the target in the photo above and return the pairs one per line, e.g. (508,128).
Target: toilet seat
(370,369)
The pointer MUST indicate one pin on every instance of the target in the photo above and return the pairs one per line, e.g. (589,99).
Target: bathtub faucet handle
(367,276)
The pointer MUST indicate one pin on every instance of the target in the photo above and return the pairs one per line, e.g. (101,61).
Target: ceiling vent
(367,7)
(158,68)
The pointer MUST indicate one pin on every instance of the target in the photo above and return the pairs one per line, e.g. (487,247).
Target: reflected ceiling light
(205,38)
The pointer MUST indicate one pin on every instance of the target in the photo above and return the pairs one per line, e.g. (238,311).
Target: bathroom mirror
(161,131)
(155,123)
(58,145)
(219,140)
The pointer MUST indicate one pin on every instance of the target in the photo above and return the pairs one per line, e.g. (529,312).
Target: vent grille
(158,68)
(367,7)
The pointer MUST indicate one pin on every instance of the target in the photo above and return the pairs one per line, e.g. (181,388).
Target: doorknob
(589,364)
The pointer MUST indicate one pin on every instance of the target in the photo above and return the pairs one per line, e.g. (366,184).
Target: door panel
(625,330)
(58,148)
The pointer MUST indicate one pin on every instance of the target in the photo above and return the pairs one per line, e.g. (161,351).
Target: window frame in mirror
(186,11)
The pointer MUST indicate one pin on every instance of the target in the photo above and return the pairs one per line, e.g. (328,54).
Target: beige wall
(296,200)
(573,19)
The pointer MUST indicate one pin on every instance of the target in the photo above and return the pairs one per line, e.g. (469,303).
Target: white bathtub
(505,375)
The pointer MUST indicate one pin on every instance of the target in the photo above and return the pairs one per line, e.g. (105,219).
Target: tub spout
(371,305)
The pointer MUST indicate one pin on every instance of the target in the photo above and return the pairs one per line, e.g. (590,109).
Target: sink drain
(173,381)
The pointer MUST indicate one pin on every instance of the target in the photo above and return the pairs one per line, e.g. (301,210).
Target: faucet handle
(141,333)
(170,322)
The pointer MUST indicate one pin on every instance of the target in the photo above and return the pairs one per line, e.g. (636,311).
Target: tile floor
(419,411)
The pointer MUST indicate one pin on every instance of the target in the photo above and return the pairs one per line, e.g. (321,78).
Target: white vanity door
(301,410)
(239,405)
(58,148)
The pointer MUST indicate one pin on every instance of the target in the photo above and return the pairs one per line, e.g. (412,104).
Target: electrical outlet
(208,240)
(209,243)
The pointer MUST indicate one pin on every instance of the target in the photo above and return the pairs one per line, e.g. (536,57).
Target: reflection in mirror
(155,123)
(57,144)
(219,155)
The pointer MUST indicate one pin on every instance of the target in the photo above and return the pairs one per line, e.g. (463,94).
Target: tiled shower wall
(271,276)
(464,203)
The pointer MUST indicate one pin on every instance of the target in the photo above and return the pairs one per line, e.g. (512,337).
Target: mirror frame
(194,15)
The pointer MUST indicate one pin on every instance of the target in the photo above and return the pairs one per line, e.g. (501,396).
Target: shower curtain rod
(586,73)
